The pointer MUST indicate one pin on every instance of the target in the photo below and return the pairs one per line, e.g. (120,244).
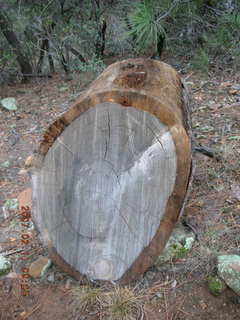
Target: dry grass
(124,304)
(86,298)
(117,303)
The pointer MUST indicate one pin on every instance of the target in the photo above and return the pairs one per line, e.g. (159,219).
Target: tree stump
(111,174)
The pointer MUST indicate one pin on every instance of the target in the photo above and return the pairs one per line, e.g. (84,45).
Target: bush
(200,61)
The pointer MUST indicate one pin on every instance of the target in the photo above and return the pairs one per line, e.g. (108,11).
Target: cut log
(111,174)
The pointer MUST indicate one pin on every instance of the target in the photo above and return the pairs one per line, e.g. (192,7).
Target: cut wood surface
(111,174)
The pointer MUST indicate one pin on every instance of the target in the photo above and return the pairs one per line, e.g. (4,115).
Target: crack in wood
(65,146)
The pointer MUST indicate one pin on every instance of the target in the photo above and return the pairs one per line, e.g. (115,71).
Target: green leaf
(145,27)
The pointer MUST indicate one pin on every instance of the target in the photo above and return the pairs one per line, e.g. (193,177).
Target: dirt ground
(180,290)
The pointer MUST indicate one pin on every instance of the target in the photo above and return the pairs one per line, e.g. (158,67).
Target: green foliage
(199,30)
(86,297)
(215,285)
(200,61)
(123,304)
(226,35)
(146,27)
(94,65)
(180,252)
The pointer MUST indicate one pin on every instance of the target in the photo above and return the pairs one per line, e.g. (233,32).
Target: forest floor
(180,292)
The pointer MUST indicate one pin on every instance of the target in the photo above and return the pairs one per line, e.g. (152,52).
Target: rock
(5,164)
(22,172)
(236,87)
(12,275)
(9,103)
(29,161)
(178,245)
(5,265)
(229,270)
(51,277)
(216,285)
(39,267)
(159,295)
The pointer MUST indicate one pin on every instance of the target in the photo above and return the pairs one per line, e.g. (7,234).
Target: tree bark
(64,62)
(100,45)
(76,53)
(50,58)
(12,39)
(42,53)
(111,174)
(45,48)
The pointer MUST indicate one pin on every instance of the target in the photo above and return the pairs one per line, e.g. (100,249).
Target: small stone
(12,275)
(174,284)
(159,295)
(23,314)
(236,87)
(22,172)
(5,164)
(5,265)
(29,161)
(216,285)
(229,270)
(178,245)
(203,305)
(39,267)
(51,277)
(9,103)
(189,242)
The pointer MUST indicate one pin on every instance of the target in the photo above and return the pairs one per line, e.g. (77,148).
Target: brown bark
(100,43)
(76,53)
(45,48)
(50,59)
(150,86)
(12,39)
(42,53)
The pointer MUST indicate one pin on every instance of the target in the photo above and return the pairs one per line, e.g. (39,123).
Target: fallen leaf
(233,92)
(29,161)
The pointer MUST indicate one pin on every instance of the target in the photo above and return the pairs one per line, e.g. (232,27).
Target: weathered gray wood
(111,174)
(105,183)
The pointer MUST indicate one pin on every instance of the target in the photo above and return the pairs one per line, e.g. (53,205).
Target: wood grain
(111,174)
